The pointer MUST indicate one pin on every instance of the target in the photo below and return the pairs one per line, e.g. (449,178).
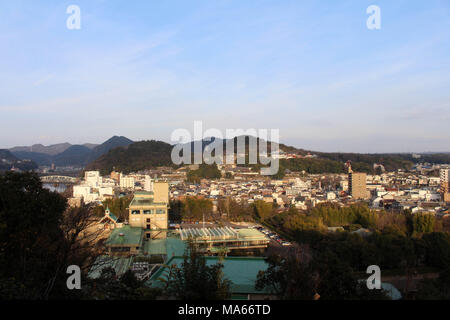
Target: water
(60,188)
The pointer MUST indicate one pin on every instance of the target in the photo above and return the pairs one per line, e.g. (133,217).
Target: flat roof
(170,246)
(241,271)
(125,236)
(225,233)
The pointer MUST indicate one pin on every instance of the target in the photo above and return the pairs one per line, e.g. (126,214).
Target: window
(148,211)
(148,235)
(148,220)
(160,211)
(135,212)
(148,226)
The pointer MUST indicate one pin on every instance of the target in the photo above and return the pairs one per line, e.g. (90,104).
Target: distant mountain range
(66,154)
(149,154)
(122,154)
(8,161)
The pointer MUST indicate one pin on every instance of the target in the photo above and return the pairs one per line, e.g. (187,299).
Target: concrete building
(357,187)
(149,209)
(93,179)
(445,184)
(126,182)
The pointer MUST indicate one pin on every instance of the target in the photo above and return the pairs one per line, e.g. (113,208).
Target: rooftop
(225,233)
(125,236)
(242,272)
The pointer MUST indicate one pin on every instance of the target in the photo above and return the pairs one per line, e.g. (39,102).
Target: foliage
(423,223)
(117,206)
(39,239)
(262,209)
(325,277)
(137,156)
(204,171)
(195,280)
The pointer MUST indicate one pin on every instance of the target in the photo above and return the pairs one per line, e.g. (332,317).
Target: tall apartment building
(357,184)
(149,209)
(445,184)
(126,182)
(445,180)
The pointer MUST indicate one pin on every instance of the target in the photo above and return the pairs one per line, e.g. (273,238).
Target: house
(109,220)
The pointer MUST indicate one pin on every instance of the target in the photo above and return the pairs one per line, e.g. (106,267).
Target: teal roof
(241,271)
(171,247)
(112,215)
(125,236)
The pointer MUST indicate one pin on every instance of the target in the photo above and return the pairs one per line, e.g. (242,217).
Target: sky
(311,69)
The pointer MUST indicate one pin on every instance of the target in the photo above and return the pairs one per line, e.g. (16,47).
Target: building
(445,180)
(126,182)
(93,179)
(214,240)
(357,187)
(149,209)
(125,241)
(445,184)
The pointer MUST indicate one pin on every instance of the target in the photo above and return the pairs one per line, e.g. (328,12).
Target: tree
(435,289)
(423,223)
(288,278)
(195,280)
(326,277)
(39,239)
(262,209)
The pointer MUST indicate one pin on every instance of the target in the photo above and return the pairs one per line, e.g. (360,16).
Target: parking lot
(273,236)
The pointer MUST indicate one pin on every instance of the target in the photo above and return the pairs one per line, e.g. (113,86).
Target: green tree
(195,280)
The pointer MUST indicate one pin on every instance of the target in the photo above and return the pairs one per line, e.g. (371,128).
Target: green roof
(241,271)
(143,193)
(171,247)
(125,236)
(251,234)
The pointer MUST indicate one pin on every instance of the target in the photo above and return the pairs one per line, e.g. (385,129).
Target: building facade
(357,185)
(149,209)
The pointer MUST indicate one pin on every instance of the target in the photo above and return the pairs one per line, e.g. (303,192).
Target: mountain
(134,157)
(90,145)
(69,155)
(76,155)
(39,148)
(9,161)
(149,154)
(42,159)
(111,143)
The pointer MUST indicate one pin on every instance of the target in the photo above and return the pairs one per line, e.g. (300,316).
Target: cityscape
(318,167)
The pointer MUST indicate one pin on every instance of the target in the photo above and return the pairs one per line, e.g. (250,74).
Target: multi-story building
(126,182)
(357,187)
(445,184)
(149,209)
(445,180)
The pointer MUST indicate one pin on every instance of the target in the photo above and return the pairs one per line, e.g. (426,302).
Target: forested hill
(149,154)
(134,157)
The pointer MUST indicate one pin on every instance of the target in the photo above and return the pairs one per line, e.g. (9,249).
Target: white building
(126,182)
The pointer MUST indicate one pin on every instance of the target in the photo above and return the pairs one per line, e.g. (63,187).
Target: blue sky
(310,68)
